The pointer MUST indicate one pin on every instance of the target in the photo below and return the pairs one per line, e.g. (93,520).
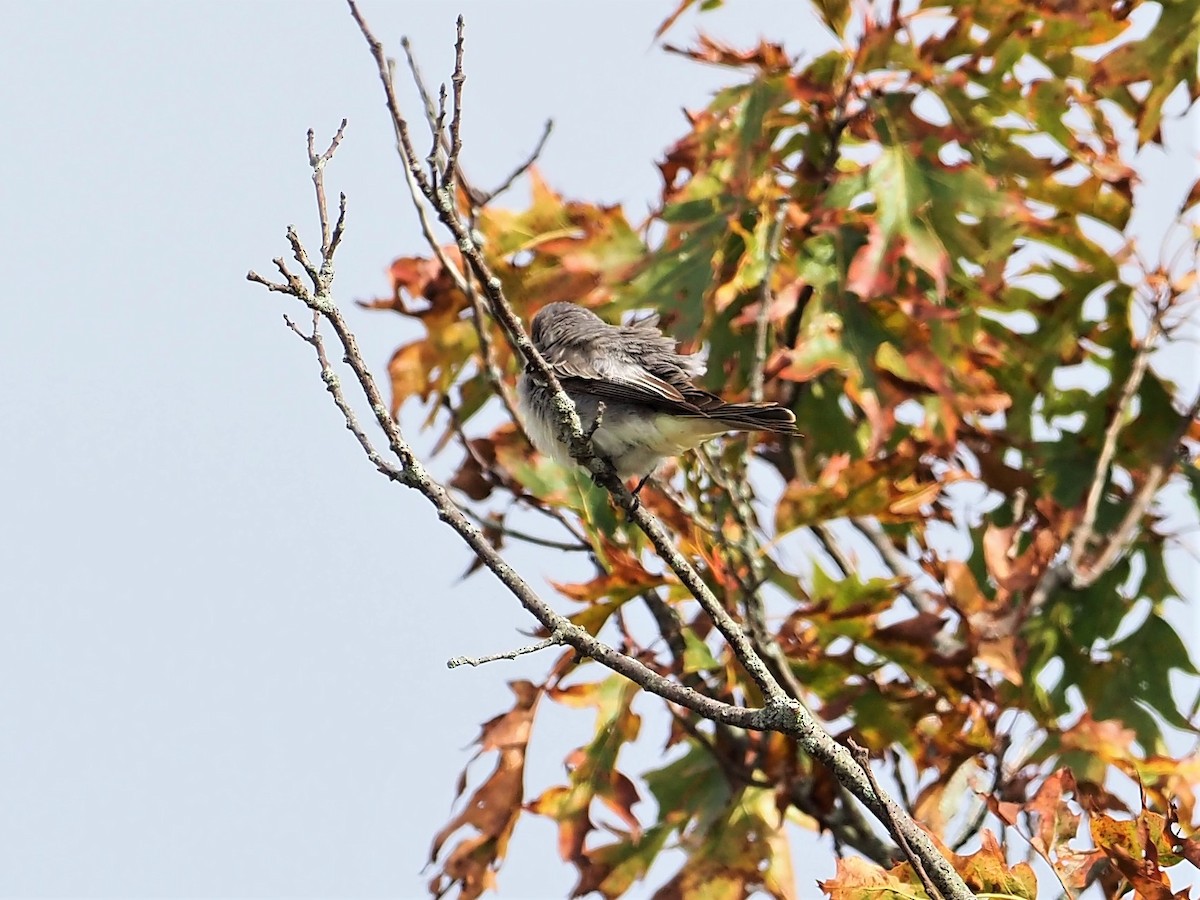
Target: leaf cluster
(919,242)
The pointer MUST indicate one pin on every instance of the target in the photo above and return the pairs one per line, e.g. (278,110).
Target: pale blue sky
(222,635)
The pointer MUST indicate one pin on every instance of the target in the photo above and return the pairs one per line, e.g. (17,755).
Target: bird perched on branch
(639,384)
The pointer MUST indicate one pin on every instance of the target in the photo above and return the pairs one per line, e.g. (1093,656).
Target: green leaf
(835,14)
(900,190)
(696,655)
(1149,655)
(624,862)
(692,787)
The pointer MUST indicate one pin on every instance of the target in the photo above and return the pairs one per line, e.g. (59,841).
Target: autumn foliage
(918,241)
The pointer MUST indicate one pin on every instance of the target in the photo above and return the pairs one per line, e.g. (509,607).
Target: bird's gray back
(579,344)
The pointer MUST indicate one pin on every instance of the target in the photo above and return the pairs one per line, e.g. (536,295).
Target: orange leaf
(493,808)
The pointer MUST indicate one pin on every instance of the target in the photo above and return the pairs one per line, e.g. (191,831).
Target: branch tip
(473,661)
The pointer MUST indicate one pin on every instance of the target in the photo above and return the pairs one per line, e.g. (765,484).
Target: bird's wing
(623,381)
(614,379)
(634,363)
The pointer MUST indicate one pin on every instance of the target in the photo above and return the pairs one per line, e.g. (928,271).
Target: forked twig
(456,83)
(329,239)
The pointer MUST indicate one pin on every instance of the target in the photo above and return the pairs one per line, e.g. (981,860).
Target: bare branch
(393,105)
(456,82)
(520,170)
(334,386)
(552,641)
(571,429)
(516,534)
(317,161)
(892,818)
(462,280)
(412,474)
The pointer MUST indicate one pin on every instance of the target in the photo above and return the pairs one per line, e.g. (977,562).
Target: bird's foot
(635,493)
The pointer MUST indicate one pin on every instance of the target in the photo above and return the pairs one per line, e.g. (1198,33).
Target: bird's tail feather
(756,417)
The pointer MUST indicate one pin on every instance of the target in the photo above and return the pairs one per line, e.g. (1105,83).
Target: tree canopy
(920,243)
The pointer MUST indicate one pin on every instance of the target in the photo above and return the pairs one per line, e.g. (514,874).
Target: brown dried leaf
(1053,823)
(767,56)
(873,270)
(493,807)
(860,879)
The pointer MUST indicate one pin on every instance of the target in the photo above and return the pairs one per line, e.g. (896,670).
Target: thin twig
(670,626)
(893,822)
(535,504)
(317,161)
(1123,536)
(393,105)
(520,170)
(301,255)
(971,828)
(436,127)
(462,279)
(476,197)
(1081,575)
(419,80)
(435,116)
(552,641)
(829,543)
(765,297)
(897,562)
(334,386)
(767,646)
(1087,526)
(456,83)
(525,536)
(418,191)
(487,353)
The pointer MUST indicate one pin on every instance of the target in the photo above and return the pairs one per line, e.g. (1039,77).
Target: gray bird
(651,408)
